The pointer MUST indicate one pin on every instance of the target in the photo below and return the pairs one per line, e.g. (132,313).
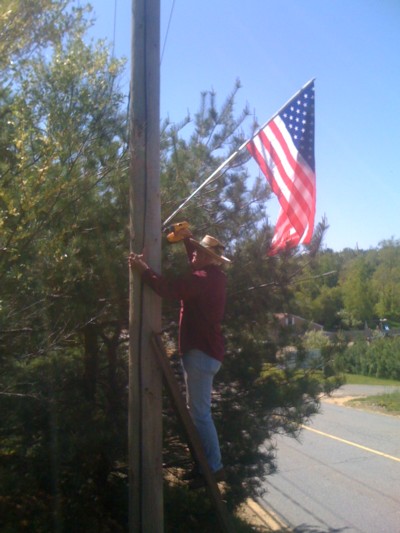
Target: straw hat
(212,247)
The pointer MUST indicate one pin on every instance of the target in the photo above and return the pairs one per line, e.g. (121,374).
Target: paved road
(343,475)
(363,390)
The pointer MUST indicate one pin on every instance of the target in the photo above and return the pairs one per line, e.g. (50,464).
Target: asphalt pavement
(342,475)
(359,391)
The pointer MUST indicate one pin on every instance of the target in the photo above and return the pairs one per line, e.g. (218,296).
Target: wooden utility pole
(145,382)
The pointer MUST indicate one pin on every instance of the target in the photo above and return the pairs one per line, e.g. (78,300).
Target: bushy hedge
(61,455)
(379,358)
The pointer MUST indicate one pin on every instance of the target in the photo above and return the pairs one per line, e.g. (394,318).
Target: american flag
(284,150)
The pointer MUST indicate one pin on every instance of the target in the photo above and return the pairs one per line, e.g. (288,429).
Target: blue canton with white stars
(298,116)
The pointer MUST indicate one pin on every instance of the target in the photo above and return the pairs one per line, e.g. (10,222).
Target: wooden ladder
(193,439)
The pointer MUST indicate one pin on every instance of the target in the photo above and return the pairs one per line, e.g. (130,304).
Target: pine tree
(63,309)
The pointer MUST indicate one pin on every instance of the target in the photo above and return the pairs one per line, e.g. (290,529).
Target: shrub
(380,358)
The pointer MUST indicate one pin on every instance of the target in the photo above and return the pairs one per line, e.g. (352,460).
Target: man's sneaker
(220,475)
(200,481)
(192,474)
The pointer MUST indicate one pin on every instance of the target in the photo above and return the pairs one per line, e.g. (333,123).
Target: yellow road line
(376,452)
(265,517)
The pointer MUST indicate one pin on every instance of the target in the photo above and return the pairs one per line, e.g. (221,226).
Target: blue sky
(351,47)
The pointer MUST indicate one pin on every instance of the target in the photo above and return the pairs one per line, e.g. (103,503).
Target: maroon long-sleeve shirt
(202,295)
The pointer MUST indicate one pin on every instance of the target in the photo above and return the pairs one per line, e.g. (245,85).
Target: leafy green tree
(379,358)
(386,281)
(64,134)
(317,296)
(358,297)
(27,27)
(63,210)
(249,388)
(63,314)
(326,307)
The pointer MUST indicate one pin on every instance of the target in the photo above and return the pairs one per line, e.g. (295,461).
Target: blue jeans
(199,370)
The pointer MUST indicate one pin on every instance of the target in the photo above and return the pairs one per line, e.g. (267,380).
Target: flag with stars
(284,150)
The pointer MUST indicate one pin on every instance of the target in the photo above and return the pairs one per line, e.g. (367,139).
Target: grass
(385,403)
(355,379)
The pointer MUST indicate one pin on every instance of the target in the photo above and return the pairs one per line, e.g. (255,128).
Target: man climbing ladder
(202,293)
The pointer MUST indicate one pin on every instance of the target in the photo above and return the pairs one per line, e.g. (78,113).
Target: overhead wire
(114,29)
(167,31)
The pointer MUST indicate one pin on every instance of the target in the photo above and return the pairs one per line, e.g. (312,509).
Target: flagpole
(218,171)
(214,175)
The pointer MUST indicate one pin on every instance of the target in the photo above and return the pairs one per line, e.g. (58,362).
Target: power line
(166,34)
(114,29)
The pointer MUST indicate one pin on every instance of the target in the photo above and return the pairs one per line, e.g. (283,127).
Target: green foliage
(379,358)
(63,308)
(63,209)
(316,340)
(60,449)
(254,401)
(61,203)
(357,294)
(388,403)
(351,289)
(386,281)
(28,27)
(358,379)
(198,512)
